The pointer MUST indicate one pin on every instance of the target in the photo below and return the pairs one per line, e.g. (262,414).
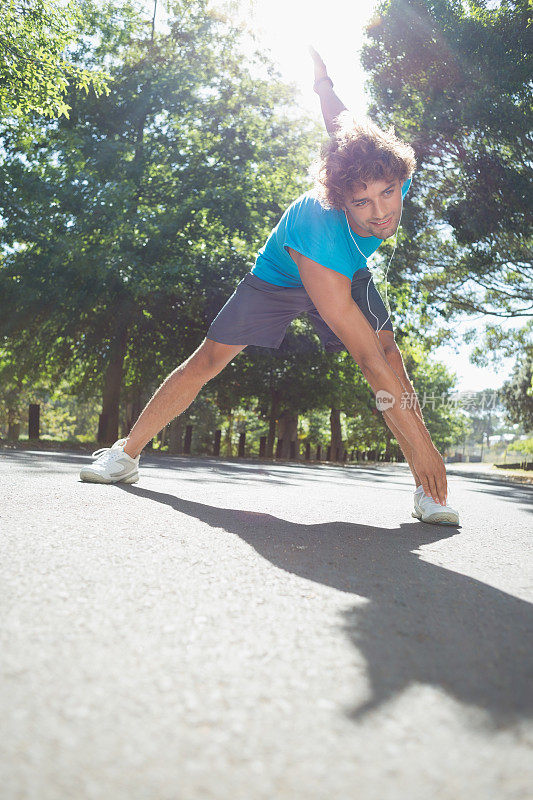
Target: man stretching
(315,261)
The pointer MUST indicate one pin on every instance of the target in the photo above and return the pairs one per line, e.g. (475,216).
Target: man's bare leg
(178,390)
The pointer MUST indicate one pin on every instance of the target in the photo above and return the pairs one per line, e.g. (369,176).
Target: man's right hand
(430,468)
(320,67)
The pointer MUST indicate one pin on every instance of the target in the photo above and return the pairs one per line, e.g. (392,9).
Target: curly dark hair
(358,151)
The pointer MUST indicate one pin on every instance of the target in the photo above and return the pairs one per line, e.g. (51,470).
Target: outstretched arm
(323,86)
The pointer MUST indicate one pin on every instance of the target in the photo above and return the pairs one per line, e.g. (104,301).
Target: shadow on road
(514,492)
(423,624)
(285,473)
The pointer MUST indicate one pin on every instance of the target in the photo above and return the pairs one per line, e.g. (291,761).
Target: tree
(517,393)
(130,222)
(496,342)
(36,68)
(454,78)
(526,447)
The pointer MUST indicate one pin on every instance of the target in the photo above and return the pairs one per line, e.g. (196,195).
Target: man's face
(374,209)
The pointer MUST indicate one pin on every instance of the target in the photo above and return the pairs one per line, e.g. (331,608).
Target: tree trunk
(288,432)
(12,401)
(13,428)
(13,431)
(113,384)
(388,445)
(336,433)
(228,446)
(177,429)
(274,405)
(133,408)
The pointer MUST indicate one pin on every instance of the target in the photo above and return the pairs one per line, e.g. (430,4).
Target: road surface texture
(247,630)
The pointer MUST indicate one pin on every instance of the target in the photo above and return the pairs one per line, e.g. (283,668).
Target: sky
(335,28)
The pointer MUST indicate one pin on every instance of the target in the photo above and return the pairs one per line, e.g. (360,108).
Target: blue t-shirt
(321,234)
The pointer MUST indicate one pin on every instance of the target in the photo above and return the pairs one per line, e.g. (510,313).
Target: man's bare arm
(330,291)
(329,102)
(394,357)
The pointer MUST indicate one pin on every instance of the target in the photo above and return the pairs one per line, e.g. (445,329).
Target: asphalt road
(237,630)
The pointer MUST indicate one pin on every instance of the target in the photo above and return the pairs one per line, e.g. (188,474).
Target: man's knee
(211,357)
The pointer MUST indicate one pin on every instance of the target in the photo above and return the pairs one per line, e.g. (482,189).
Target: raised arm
(323,86)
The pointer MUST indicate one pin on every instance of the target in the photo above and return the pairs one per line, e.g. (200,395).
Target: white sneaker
(112,465)
(427,510)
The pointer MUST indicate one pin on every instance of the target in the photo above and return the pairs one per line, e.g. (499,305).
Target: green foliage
(206,417)
(517,393)
(524,446)
(454,78)
(433,384)
(127,225)
(135,217)
(496,342)
(63,416)
(36,68)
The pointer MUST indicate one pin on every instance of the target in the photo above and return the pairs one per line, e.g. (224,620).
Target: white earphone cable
(386,271)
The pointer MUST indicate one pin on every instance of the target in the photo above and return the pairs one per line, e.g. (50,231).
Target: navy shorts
(258,312)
